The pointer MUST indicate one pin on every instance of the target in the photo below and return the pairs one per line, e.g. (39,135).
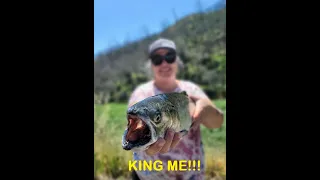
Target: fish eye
(157,118)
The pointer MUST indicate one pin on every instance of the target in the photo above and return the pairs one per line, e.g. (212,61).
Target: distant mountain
(217,6)
(200,40)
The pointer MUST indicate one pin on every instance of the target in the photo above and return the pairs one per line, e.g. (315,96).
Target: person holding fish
(165,114)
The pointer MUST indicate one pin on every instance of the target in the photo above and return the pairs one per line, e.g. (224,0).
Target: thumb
(196,114)
(196,117)
(195,109)
(195,123)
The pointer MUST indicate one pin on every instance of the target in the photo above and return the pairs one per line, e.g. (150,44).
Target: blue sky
(117,20)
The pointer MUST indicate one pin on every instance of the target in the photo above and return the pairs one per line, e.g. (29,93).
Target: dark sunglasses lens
(157,60)
(171,58)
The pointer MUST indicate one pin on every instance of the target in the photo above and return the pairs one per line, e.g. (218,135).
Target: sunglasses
(157,59)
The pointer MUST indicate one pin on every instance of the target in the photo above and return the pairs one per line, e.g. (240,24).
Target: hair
(149,71)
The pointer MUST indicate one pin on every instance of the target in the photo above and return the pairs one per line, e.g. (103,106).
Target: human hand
(164,145)
(195,109)
(206,113)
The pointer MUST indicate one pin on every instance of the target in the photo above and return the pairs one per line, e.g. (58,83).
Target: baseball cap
(161,43)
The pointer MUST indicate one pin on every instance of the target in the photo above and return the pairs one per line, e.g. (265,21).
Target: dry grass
(215,163)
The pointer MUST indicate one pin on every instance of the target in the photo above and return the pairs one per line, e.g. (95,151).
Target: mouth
(165,70)
(138,132)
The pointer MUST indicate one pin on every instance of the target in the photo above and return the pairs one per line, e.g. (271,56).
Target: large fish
(150,118)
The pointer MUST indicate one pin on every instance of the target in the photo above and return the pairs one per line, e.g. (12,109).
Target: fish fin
(183,132)
(184,92)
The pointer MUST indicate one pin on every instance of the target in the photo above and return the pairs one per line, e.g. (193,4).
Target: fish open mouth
(138,131)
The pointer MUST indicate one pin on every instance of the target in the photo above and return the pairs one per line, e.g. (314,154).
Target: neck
(166,86)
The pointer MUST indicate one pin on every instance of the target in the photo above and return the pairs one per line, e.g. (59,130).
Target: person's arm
(202,111)
(206,113)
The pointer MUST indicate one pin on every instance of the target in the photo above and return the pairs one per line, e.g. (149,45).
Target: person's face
(164,70)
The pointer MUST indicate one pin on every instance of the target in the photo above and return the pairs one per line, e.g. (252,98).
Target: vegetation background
(201,44)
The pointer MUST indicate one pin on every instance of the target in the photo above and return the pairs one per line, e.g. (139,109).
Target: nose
(164,62)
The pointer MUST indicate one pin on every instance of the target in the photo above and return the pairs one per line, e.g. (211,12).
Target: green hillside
(201,43)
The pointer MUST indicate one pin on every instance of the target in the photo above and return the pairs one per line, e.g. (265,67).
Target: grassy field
(112,161)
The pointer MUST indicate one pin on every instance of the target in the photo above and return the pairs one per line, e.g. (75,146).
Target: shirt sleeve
(136,96)
(197,91)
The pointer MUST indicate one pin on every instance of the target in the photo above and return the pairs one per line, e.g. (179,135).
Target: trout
(150,118)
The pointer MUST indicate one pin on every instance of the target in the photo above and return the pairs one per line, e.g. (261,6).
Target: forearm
(210,116)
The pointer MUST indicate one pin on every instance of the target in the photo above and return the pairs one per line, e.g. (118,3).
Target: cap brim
(153,51)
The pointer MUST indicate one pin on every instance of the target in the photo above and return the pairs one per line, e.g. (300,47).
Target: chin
(167,76)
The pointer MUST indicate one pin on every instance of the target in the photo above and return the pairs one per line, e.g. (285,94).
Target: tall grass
(111,160)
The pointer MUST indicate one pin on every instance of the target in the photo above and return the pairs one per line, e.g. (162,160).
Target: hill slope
(200,39)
